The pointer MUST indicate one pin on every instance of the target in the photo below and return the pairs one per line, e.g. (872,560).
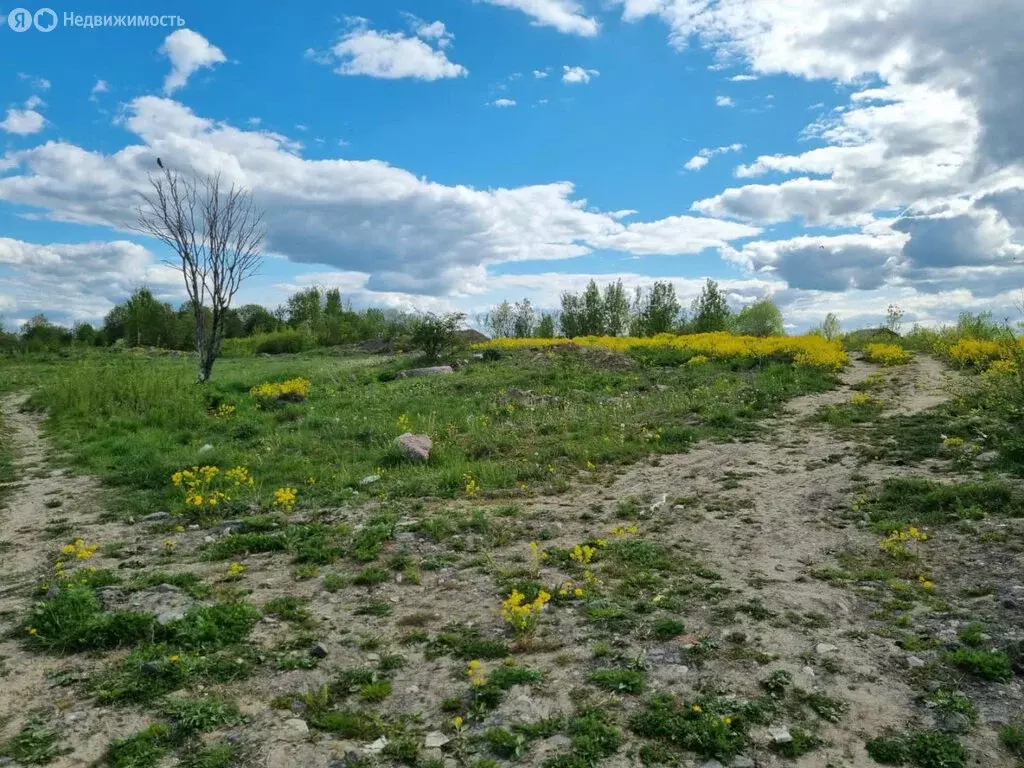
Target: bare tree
(218,236)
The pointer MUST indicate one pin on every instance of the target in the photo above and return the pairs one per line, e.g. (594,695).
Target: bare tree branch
(218,238)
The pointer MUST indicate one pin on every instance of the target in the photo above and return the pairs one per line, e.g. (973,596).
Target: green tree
(655,310)
(762,318)
(437,335)
(523,319)
(571,319)
(710,310)
(616,310)
(546,327)
(830,327)
(500,321)
(593,311)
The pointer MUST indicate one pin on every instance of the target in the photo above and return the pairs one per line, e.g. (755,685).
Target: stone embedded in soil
(712,764)
(823,648)
(165,601)
(779,734)
(318,651)
(155,517)
(414,447)
(435,739)
(369,480)
(953,722)
(415,373)
(742,761)
(297,730)
(913,662)
(377,746)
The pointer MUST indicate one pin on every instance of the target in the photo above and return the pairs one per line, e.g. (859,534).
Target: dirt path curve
(770,511)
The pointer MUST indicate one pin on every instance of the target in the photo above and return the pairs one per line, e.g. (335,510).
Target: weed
(619,680)
(35,744)
(988,665)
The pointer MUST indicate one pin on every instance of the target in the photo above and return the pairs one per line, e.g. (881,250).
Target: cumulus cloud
(394,55)
(743,78)
(188,52)
(724,101)
(540,74)
(504,103)
(408,233)
(79,281)
(564,15)
(934,138)
(576,75)
(23,122)
(702,158)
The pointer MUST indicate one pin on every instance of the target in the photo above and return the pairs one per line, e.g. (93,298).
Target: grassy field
(700,553)
(528,421)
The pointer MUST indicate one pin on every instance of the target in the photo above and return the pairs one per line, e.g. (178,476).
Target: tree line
(613,311)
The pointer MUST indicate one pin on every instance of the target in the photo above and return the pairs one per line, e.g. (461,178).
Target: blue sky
(447,154)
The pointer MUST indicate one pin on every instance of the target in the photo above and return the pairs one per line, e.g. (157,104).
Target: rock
(318,651)
(987,457)
(232,526)
(823,648)
(661,387)
(155,517)
(369,480)
(378,746)
(165,601)
(779,734)
(414,373)
(477,355)
(298,707)
(207,447)
(913,662)
(435,739)
(297,730)
(149,668)
(414,447)
(953,722)
(742,761)
(712,764)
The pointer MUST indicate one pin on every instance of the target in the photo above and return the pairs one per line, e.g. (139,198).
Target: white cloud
(34,101)
(564,15)
(503,103)
(39,83)
(574,75)
(702,158)
(101,86)
(23,122)
(188,51)
(724,101)
(394,55)
(408,233)
(540,74)
(80,281)
(254,121)
(743,78)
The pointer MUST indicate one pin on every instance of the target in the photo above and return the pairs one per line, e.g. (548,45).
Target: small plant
(619,680)
(35,744)
(988,665)
(291,391)
(522,616)
(284,499)
(903,544)
(887,354)
(924,749)
(1012,737)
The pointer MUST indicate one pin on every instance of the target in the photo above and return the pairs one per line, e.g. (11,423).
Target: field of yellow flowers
(808,351)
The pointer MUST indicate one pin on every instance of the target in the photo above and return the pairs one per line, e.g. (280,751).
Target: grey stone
(297,730)
(206,448)
(414,373)
(155,517)
(149,668)
(435,739)
(742,761)
(823,648)
(232,526)
(377,746)
(779,734)
(712,764)
(414,447)
(953,722)
(987,457)
(369,480)
(318,651)
(913,662)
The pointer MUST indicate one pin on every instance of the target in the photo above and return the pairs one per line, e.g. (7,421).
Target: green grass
(136,421)
(987,665)
(35,744)
(6,462)
(619,680)
(924,749)
(916,501)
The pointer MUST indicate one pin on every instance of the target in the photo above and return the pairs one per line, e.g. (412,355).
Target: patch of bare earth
(765,515)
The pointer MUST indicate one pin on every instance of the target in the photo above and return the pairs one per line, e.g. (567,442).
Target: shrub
(887,354)
(285,342)
(437,335)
